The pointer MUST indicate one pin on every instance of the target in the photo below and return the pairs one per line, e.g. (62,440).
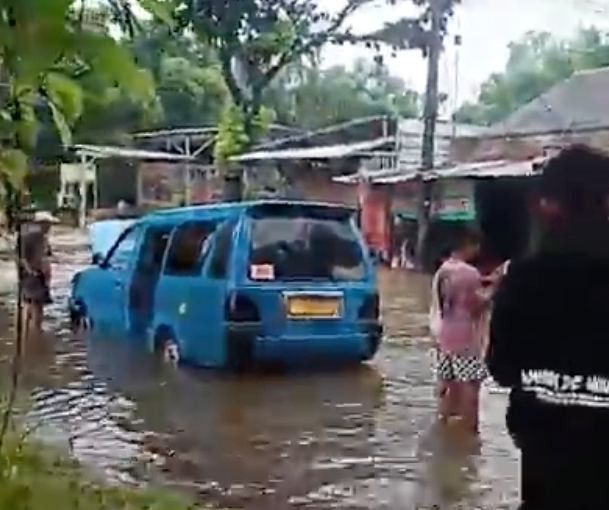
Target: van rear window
(305,247)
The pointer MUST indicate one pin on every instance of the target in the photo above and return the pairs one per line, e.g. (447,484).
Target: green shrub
(35,478)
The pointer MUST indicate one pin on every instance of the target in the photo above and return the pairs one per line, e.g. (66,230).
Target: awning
(104,152)
(486,169)
(480,170)
(320,152)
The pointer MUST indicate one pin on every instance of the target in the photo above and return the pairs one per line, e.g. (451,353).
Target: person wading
(35,270)
(460,301)
(550,340)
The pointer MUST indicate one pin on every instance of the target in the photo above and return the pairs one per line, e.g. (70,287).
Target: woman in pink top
(459,332)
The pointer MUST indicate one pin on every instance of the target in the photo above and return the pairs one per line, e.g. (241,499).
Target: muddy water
(362,438)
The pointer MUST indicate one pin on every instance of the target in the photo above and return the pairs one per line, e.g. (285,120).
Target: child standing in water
(458,330)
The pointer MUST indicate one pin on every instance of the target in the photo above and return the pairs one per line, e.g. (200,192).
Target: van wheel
(167,349)
(79,320)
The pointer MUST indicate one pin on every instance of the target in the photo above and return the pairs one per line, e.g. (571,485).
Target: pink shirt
(459,286)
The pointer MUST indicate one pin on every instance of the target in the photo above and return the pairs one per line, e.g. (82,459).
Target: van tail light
(371,308)
(241,308)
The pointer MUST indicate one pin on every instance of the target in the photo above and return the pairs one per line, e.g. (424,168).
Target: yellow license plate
(305,307)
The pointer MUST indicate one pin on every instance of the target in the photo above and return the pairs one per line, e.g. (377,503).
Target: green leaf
(66,94)
(115,64)
(61,124)
(7,126)
(160,9)
(13,166)
(27,127)
(232,138)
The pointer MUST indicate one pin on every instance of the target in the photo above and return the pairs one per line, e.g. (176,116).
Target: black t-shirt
(550,345)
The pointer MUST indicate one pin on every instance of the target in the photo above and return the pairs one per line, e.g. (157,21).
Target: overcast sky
(486,26)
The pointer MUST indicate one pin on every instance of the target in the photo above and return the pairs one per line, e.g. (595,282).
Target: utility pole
(430,116)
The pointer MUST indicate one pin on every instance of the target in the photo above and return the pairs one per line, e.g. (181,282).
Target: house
(389,185)
(573,111)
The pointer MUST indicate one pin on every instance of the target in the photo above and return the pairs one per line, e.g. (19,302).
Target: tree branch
(316,41)
(231,82)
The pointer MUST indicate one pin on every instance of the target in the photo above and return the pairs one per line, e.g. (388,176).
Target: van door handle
(118,284)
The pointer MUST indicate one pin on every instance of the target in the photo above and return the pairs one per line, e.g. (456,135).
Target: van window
(188,248)
(153,249)
(123,250)
(303,247)
(222,252)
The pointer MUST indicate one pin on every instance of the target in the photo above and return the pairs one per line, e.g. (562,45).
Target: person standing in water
(460,302)
(35,270)
(550,340)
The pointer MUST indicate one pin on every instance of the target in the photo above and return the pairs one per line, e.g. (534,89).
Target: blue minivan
(237,285)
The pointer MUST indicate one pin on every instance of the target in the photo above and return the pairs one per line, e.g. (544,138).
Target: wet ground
(362,438)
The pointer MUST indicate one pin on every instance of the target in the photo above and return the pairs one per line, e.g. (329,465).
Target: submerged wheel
(79,319)
(167,349)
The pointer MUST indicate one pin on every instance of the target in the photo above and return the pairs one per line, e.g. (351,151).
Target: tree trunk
(429,133)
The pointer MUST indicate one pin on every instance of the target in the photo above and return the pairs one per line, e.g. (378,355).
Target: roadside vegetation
(33,477)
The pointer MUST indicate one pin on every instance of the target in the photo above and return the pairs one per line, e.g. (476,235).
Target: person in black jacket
(550,340)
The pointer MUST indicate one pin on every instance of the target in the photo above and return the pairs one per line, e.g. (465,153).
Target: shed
(90,154)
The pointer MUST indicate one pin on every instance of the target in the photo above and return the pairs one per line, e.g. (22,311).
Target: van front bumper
(246,345)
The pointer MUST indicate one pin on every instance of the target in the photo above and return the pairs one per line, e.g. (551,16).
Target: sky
(486,27)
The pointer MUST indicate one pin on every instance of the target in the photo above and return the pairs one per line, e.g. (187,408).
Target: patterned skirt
(462,368)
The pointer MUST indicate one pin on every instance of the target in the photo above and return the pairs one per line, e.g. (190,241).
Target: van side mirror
(98,259)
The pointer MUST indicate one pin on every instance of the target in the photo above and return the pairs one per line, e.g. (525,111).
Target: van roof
(232,209)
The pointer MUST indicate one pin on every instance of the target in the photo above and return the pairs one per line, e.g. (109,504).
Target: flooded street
(363,438)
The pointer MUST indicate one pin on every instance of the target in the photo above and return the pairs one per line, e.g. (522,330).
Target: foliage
(311,98)
(190,86)
(47,57)
(232,137)
(536,63)
(256,39)
(32,478)
(416,32)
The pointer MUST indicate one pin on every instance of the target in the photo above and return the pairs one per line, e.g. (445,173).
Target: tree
(189,82)
(536,63)
(48,56)
(256,39)
(312,98)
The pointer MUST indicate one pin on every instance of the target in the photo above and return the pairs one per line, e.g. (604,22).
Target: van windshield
(305,247)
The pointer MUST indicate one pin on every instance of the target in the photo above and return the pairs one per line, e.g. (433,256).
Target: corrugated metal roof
(487,169)
(104,152)
(578,103)
(320,152)
(444,128)
(480,170)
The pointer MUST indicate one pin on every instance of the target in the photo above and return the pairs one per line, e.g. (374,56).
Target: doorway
(503,216)
(146,276)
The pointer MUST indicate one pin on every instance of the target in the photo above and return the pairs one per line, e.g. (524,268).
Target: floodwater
(364,438)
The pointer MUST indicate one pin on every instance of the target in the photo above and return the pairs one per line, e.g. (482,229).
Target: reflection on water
(361,438)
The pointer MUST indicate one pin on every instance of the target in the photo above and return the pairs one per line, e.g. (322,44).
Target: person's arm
(508,320)
(435,314)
